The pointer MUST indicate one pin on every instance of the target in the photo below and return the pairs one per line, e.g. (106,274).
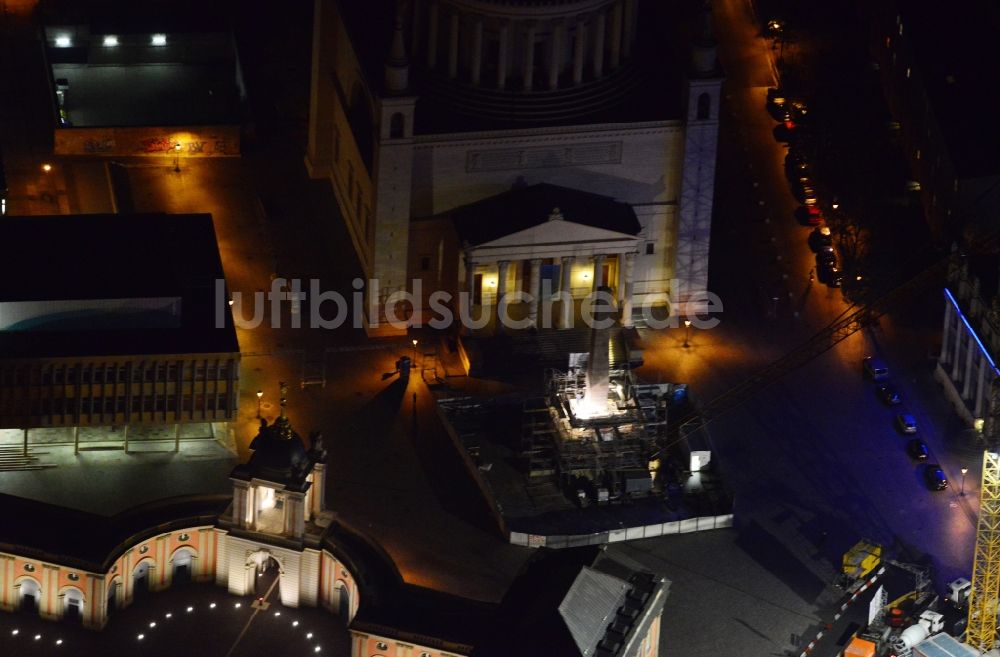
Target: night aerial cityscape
(499,328)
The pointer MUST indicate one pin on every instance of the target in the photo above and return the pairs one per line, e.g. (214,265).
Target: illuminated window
(918,153)
(110,41)
(888,42)
(900,29)
(63,41)
(159,40)
(907,71)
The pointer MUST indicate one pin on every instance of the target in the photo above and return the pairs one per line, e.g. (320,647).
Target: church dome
(526,60)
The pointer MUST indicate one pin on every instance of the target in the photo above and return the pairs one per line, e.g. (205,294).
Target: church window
(704,106)
(397,126)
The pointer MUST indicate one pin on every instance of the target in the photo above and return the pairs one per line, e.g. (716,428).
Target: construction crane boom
(982,625)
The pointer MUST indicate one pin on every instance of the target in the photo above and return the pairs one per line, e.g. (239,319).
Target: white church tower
(701,140)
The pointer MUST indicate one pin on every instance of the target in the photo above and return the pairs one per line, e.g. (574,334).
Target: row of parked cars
(793,115)
(876,370)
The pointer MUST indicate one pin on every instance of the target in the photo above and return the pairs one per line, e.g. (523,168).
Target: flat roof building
(113,321)
(140,78)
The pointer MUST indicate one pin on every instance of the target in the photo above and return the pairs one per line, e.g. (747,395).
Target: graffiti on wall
(214,141)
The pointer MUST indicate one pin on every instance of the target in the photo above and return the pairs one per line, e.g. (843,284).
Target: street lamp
(177,157)
(260,394)
(414,351)
(687,333)
(964,470)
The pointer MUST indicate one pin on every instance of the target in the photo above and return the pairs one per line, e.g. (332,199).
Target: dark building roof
(524,207)
(279,455)
(148,16)
(573,602)
(105,257)
(951,49)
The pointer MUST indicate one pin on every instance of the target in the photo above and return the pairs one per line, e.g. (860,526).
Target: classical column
(470,285)
(529,56)
(981,386)
(453,47)
(566,292)
(501,291)
(503,55)
(598,51)
(616,35)
(949,313)
(956,353)
(579,48)
(432,34)
(555,60)
(967,379)
(536,291)
(477,51)
(628,39)
(598,270)
(625,287)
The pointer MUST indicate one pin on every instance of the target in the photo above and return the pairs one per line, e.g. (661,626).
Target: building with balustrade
(426,110)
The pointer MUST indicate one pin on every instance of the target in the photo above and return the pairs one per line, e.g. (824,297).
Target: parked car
(934,477)
(831,276)
(809,215)
(917,449)
(825,258)
(906,423)
(875,369)
(889,395)
(820,238)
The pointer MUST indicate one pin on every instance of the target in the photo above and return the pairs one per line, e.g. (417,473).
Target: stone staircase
(14,458)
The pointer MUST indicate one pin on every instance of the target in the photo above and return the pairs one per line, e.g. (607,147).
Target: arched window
(397,126)
(704,106)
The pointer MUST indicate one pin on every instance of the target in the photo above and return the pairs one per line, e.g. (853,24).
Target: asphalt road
(814,459)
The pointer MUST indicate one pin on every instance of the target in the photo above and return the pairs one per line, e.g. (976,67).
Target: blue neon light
(971,331)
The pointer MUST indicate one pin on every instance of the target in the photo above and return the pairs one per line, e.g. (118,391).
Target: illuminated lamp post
(177,157)
(414,351)
(964,471)
(687,333)
(260,394)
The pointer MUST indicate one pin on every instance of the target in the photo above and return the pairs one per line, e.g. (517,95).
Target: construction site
(596,449)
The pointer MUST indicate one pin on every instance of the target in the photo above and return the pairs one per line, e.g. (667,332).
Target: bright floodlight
(110,41)
(190,609)
(159,40)
(63,41)
(58,642)
(37,637)
(152,624)
(211,606)
(14,632)
(141,637)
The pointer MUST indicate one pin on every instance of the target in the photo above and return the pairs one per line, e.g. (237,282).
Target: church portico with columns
(423,108)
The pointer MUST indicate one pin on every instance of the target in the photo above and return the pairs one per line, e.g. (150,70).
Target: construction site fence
(686,526)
